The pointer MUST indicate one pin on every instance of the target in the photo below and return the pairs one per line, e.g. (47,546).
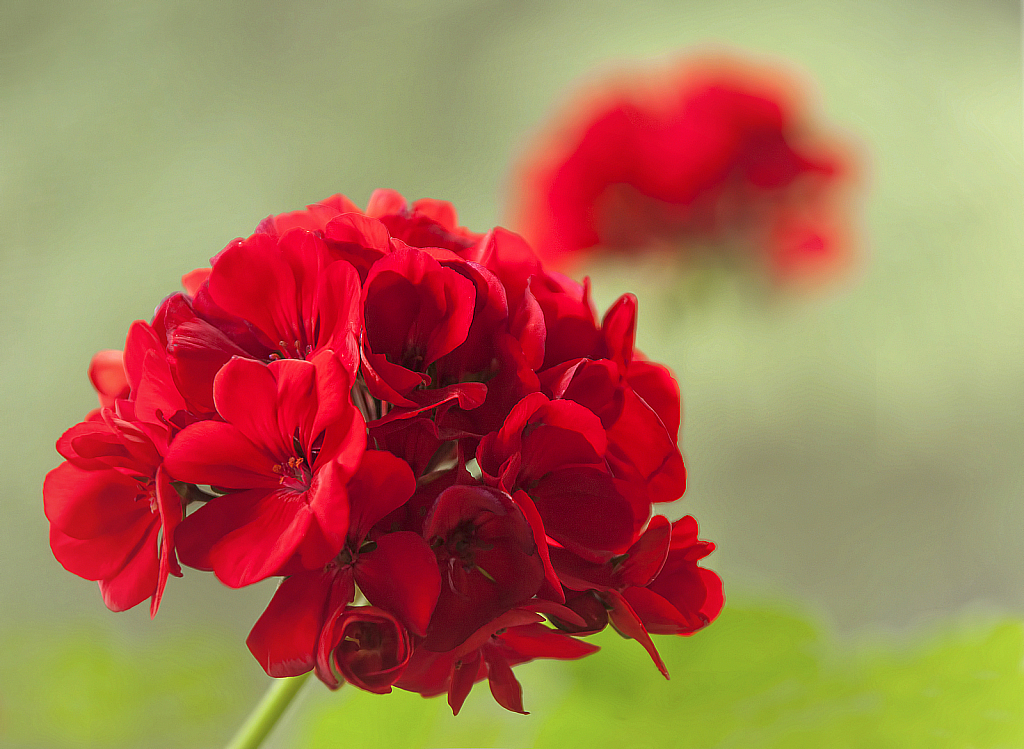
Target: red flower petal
(506,689)
(215,453)
(401,576)
(86,504)
(137,580)
(284,638)
(628,624)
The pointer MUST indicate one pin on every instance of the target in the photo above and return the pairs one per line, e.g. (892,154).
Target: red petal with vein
(639,439)
(246,393)
(401,576)
(659,390)
(215,453)
(646,558)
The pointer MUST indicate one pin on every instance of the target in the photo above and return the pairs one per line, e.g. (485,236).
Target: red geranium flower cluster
(716,155)
(381,402)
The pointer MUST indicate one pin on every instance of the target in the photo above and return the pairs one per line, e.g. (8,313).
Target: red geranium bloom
(396,571)
(415,311)
(289,441)
(718,153)
(380,404)
(292,292)
(654,587)
(489,559)
(112,509)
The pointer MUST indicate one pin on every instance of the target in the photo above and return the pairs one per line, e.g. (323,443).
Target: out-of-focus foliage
(82,687)
(760,677)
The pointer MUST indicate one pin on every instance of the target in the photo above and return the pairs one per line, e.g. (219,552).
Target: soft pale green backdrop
(856,453)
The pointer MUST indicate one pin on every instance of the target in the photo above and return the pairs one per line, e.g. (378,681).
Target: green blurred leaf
(83,688)
(759,677)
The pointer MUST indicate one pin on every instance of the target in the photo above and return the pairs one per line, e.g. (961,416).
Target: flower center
(295,474)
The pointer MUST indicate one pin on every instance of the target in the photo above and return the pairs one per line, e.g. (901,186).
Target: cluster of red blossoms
(716,155)
(382,403)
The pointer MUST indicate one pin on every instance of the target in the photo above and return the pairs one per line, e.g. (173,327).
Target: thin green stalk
(264,717)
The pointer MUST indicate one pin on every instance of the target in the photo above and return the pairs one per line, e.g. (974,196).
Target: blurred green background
(856,454)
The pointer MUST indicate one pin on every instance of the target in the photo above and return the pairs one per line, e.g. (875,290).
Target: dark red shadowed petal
(366,645)
(488,557)
(628,624)
(538,641)
(401,576)
(638,565)
(171,512)
(464,675)
(552,588)
(380,485)
(562,498)
(506,689)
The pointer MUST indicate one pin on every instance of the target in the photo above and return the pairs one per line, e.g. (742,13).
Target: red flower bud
(365,646)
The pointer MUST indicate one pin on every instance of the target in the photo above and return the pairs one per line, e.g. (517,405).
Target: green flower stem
(264,717)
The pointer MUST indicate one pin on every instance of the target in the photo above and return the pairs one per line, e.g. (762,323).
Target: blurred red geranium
(713,155)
